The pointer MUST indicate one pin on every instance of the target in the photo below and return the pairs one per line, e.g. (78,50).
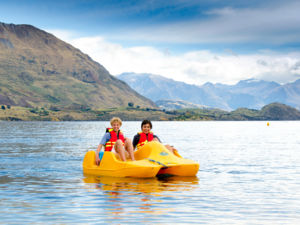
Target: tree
(3,107)
(54,108)
(8,106)
(130,104)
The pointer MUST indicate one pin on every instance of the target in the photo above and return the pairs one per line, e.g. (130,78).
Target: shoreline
(271,112)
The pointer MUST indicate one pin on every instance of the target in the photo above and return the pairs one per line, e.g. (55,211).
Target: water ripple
(249,174)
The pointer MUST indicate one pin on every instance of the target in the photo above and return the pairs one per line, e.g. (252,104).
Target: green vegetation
(41,111)
(274,111)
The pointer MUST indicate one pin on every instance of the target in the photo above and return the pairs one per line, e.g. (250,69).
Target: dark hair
(146,122)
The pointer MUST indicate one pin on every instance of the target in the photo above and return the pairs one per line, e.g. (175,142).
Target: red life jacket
(113,138)
(144,138)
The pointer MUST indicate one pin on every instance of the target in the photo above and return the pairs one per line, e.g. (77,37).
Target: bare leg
(170,148)
(129,148)
(155,139)
(120,149)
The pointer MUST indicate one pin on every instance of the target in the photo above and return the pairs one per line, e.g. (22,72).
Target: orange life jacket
(144,138)
(113,138)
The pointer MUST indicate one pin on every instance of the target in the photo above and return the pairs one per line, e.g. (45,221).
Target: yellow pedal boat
(151,160)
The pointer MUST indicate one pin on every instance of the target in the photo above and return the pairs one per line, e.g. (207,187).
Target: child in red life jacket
(146,135)
(114,140)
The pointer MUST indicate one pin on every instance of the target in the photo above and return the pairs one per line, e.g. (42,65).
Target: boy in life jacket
(114,140)
(146,135)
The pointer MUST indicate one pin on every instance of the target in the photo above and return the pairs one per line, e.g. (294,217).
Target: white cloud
(275,24)
(195,67)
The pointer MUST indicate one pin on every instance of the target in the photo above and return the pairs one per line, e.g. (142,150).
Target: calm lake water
(249,174)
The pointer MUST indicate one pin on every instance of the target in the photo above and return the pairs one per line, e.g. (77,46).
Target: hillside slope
(39,70)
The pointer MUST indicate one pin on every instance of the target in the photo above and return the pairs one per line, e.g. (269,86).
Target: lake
(249,174)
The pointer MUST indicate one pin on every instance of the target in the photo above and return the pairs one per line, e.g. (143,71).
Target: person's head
(116,123)
(146,126)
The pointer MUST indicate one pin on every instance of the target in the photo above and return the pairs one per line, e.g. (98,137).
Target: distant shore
(274,111)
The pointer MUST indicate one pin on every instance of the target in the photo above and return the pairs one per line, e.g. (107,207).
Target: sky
(194,41)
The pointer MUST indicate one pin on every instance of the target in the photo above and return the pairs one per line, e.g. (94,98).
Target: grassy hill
(39,70)
(18,113)
(274,111)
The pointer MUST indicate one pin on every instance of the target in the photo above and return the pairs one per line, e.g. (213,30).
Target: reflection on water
(150,196)
(249,174)
(146,186)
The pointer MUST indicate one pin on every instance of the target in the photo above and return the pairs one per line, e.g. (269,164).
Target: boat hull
(151,160)
(172,164)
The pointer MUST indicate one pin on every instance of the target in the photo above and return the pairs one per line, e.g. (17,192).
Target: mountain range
(39,70)
(249,93)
